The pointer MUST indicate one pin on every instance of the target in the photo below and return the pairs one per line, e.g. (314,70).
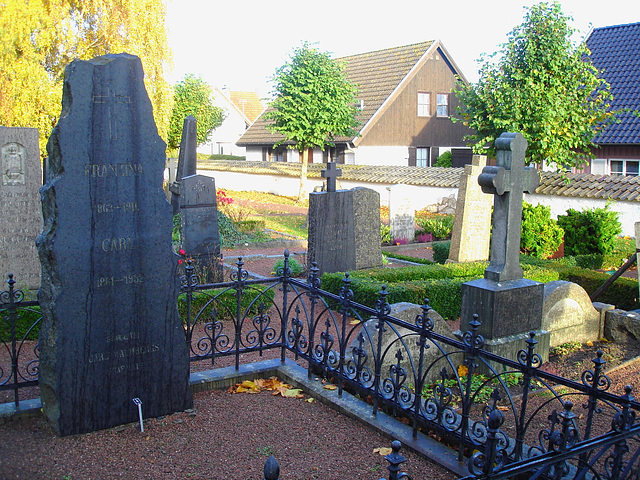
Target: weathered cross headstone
(187,159)
(472,223)
(111,331)
(507,181)
(344,228)
(20,220)
(402,213)
(199,222)
(508,305)
(331,173)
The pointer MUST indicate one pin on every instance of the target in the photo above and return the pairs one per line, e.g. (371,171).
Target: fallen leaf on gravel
(354,322)
(330,386)
(383,451)
(293,393)
(310,400)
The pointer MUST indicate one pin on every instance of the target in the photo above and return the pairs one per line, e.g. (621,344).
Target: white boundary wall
(282,185)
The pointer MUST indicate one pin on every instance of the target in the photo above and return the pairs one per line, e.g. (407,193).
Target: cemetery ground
(231,435)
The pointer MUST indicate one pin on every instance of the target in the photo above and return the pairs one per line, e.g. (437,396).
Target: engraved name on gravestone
(110,329)
(402,212)
(472,223)
(199,222)
(21,216)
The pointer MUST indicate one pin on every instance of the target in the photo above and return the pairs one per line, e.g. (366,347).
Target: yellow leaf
(310,400)
(329,386)
(462,371)
(354,322)
(383,451)
(293,393)
(589,343)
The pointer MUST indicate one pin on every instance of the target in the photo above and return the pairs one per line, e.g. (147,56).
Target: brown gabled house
(406,103)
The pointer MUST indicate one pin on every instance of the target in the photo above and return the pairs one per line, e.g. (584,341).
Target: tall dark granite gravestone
(199,222)
(111,331)
(187,159)
(508,306)
(344,228)
(20,217)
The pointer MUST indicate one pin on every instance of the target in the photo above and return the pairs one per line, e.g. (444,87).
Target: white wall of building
(382,155)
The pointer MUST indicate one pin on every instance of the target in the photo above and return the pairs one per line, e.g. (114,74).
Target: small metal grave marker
(138,402)
(331,173)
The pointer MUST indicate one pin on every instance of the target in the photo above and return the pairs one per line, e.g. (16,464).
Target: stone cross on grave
(508,180)
(331,174)
(111,99)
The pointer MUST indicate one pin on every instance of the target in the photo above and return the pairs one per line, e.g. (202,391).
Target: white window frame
(420,160)
(424,104)
(440,104)
(624,166)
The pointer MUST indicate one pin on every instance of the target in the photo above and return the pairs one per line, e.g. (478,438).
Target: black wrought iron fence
(507,416)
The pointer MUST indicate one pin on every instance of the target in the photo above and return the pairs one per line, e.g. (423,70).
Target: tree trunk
(302,193)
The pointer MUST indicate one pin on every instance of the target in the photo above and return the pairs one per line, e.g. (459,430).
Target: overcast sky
(241,43)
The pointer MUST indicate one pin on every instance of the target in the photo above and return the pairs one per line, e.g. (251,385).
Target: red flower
(180,262)
(182,252)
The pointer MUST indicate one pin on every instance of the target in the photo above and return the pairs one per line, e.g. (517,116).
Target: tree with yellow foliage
(38,38)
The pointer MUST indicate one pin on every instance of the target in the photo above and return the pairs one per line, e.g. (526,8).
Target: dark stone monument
(111,331)
(187,159)
(199,221)
(344,227)
(20,218)
(508,305)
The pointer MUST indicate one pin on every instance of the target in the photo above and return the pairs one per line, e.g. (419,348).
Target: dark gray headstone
(199,222)
(110,330)
(509,307)
(21,217)
(187,159)
(344,230)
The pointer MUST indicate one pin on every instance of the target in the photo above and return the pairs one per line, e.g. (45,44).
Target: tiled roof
(615,187)
(375,74)
(615,52)
(248,103)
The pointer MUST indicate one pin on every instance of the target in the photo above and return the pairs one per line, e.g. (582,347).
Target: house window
(624,167)
(422,157)
(424,104)
(443,105)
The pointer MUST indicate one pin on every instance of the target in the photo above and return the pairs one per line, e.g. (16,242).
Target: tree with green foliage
(39,38)
(314,103)
(193,96)
(543,86)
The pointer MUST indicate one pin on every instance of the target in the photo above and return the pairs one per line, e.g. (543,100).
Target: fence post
(395,461)
(271,469)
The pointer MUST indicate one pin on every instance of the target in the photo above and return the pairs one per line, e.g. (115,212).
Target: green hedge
(441,284)
(26,318)
(225,304)
(399,256)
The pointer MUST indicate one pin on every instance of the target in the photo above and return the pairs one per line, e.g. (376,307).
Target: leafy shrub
(444,160)
(296,267)
(623,293)
(541,236)
(441,251)
(385,233)
(424,237)
(400,241)
(229,234)
(590,231)
(406,257)
(247,226)
(440,227)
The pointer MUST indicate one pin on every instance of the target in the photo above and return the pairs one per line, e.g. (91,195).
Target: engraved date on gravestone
(123,207)
(129,279)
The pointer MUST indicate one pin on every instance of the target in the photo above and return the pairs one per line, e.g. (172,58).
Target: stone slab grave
(110,331)
(472,223)
(187,159)
(569,315)
(199,226)
(392,342)
(402,213)
(21,216)
(344,228)
(508,305)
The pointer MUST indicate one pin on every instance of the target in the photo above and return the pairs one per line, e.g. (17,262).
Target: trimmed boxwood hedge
(27,317)
(441,284)
(226,302)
